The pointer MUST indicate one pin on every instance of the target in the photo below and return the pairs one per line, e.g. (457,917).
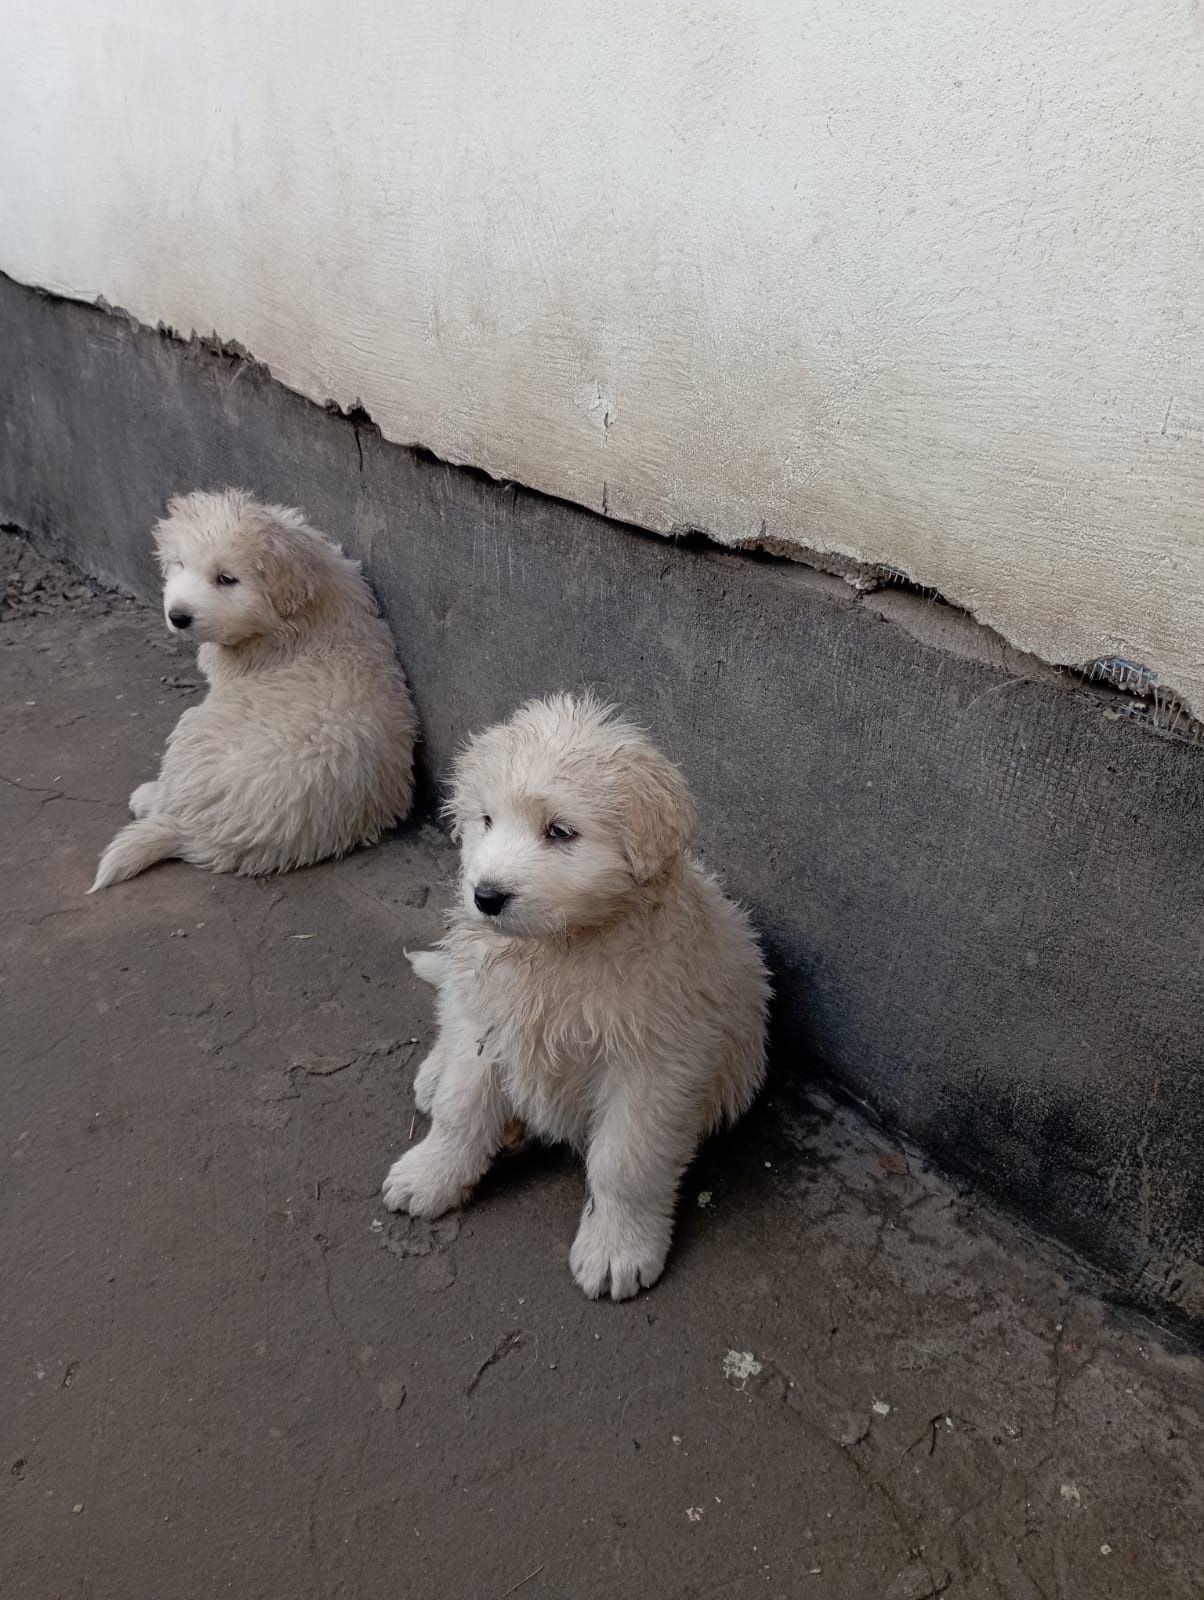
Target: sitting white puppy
(304,746)
(595,984)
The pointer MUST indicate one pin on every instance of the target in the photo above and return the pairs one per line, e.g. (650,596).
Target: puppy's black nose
(490,899)
(179,619)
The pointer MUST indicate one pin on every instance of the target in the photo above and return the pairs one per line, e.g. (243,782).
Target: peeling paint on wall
(910,287)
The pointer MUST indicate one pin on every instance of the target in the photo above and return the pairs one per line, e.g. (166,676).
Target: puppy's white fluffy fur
(303,747)
(617,1000)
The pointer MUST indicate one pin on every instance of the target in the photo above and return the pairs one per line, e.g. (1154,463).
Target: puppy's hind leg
(429,965)
(635,1164)
(468,1120)
(144,800)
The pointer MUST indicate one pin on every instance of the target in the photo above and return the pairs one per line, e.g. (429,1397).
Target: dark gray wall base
(983,896)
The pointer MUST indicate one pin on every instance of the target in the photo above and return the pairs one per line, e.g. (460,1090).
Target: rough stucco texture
(906,284)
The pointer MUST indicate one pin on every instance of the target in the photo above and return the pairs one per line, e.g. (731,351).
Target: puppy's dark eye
(225,581)
(488,821)
(559,832)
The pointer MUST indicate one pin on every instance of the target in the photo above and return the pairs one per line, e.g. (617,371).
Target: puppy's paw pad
(421,1185)
(619,1256)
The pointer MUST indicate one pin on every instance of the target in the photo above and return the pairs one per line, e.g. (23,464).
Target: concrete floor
(224,1369)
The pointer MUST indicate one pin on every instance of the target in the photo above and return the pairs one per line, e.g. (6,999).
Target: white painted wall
(914,282)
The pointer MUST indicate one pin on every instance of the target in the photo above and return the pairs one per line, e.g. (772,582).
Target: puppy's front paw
(423,1184)
(617,1250)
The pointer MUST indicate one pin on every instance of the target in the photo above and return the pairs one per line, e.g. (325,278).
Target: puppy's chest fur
(544,1019)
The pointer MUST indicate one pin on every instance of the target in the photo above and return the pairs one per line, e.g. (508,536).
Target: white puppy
(594,984)
(304,746)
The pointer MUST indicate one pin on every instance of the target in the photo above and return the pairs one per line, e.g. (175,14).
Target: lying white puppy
(595,984)
(304,746)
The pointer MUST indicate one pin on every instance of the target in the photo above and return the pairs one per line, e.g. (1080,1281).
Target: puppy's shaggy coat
(594,984)
(303,747)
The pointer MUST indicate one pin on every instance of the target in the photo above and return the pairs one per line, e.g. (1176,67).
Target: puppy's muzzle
(179,619)
(490,900)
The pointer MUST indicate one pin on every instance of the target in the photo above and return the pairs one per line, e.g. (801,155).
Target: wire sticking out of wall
(1137,696)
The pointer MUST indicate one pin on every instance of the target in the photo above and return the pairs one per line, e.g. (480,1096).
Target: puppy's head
(235,570)
(562,814)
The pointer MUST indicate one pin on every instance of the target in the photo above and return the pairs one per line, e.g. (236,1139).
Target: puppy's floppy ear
(290,564)
(452,812)
(657,816)
(483,753)
(165,531)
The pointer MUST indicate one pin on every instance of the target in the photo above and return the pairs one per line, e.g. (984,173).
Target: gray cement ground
(225,1370)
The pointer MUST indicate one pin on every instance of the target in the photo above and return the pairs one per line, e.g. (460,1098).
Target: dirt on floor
(225,1369)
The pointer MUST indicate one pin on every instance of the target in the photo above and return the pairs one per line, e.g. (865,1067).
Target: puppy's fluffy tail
(429,965)
(138,846)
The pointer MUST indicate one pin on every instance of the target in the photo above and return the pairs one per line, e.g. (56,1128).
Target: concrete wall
(980,888)
(915,283)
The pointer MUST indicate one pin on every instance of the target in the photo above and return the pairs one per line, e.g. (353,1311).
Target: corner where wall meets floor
(979,884)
